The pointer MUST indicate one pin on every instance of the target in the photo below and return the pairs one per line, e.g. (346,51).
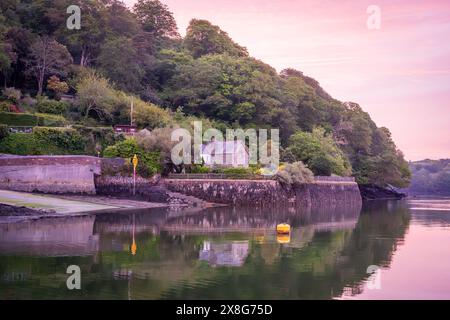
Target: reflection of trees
(318,263)
(331,262)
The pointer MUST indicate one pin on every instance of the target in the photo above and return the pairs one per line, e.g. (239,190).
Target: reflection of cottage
(125,129)
(227,153)
(225,254)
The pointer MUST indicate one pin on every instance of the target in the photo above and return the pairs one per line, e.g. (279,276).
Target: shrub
(59,141)
(45,105)
(149,162)
(51,120)
(97,138)
(5,106)
(12,94)
(322,164)
(20,143)
(4,131)
(294,174)
(196,168)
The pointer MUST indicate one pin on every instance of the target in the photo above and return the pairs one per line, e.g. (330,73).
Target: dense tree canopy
(139,53)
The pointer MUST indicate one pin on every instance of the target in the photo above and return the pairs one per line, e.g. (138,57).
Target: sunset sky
(400,74)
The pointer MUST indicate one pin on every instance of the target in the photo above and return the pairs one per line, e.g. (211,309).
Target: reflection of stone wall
(260,193)
(50,237)
(50,174)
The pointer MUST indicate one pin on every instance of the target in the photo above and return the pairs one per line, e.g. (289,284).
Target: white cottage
(225,153)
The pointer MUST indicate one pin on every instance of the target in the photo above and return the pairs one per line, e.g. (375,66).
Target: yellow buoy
(283,228)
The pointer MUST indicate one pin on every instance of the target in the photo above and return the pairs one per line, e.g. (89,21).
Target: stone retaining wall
(267,192)
(49,174)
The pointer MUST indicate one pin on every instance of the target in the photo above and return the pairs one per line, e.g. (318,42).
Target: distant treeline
(430,177)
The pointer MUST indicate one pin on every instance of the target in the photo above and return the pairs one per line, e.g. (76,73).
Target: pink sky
(400,74)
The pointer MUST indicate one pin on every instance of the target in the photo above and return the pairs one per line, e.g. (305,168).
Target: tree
(47,56)
(203,38)
(119,61)
(147,115)
(319,151)
(85,44)
(95,94)
(294,174)
(156,19)
(57,86)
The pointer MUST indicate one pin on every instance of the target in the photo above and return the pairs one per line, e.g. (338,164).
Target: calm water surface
(222,253)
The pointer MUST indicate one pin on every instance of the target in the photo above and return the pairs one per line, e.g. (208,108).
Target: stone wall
(122,186)
(263,193)
(49,174)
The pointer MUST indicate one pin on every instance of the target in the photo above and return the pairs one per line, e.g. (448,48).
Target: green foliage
(319,152)
(97,139)
(50,120)
(59,140)
(18,119)
(430,177)
(196,168)
(203,38)
(235,171)
(148,115)
(4,131)
(96,95)
(20,143)
(45,105)
(322,164)
(44,140)
(119,61)
(206,75)
(156,19)
(149,162)
(294,174)
(5,106)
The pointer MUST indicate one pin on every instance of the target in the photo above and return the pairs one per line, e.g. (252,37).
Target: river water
(386,250)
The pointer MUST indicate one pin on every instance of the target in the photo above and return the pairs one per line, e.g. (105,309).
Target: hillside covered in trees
(137,52)
(430,177)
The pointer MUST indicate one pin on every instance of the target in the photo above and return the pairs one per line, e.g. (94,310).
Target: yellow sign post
(135,163)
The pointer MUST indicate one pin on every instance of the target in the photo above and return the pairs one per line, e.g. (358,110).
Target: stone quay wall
(49,174)
(263,193)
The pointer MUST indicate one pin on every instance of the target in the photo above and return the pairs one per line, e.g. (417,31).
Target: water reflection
(216,253)
(229,253)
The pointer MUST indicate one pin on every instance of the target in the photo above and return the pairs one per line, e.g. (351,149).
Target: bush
(149,162)
(196,168)
(59,141)
(51,120)
(4,131)
(12,94)
(20,143)
(295,174)
(322,164)
(45,105)
(5,106)
(97,138)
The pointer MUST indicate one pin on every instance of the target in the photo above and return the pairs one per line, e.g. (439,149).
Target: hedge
(31,120)
(44,140)
(20,143)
